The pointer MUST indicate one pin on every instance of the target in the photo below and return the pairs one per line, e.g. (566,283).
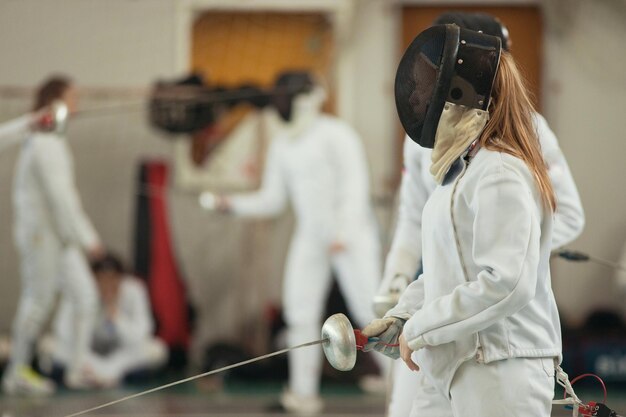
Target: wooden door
(230,48)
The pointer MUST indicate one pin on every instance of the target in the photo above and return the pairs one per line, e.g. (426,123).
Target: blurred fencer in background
(404,258)
(54,237)
(318,164)
(122,341)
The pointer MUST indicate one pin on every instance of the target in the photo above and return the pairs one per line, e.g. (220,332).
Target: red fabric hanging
(167,291)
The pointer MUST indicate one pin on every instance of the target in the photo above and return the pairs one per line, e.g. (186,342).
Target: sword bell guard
(340,346)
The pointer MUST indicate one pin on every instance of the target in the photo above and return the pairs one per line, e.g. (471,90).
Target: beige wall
(101,43)
(127,44)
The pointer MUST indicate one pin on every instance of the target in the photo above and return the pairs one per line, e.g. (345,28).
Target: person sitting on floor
(123,340)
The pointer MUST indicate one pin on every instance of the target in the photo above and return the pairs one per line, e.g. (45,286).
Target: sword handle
(571,255)
(361,339)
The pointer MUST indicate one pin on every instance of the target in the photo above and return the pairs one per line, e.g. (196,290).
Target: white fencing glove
(214,202)
(383,336)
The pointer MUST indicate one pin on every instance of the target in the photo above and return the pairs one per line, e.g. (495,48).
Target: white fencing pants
(40,267)
(520,387)
(46,269)
(403,388)
(79,286)
(306,286)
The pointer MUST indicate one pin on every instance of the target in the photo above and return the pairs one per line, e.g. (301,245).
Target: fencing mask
(287,87)
(444,66)
(298,98)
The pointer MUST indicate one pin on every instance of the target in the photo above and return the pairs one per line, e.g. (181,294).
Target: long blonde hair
(511,129)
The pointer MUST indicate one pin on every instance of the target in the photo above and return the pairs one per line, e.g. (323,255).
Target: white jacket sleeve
(134,321)
(54,170)
(13,131)
(354,208)
(271,199)
(506,248)
(406,248)
(569,218)
(410,302)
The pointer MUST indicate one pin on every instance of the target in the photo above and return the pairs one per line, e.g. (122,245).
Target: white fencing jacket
(505,304)
(418,184)
(323,172)
(45,197)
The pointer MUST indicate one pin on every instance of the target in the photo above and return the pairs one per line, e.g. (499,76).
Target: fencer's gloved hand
(383,334)
(96,252)
(52,118)
(214,202)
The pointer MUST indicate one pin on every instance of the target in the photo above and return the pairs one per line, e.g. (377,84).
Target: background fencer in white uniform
(318,164)
(15,130)
(403,260)
(481,318)
(52,235)
(122,339)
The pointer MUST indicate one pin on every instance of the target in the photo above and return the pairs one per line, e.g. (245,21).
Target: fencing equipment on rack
(51,230)
(320,166)
(119,345)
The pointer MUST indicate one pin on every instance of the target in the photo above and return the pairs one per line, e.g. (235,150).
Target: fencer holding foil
(318,163)
(418,184)
(483,309)
(52,235)
(402,262)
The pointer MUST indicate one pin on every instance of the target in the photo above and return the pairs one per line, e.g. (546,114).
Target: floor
(182,405)
(196,401)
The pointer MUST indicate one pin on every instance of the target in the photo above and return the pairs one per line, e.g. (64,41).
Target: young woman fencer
(480,326)
(53,235)
(403,260)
